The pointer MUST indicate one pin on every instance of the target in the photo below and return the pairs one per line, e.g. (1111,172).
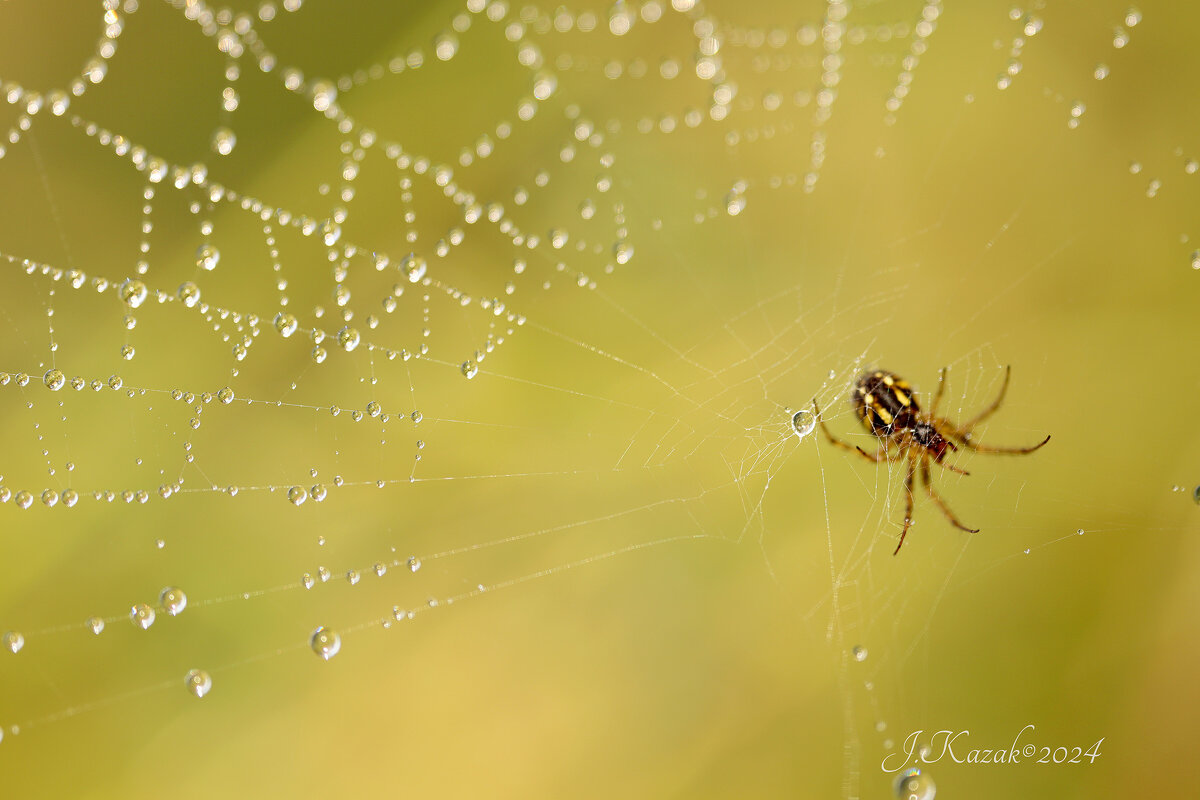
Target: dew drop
(414,563)
(859,652)
(225,395)
(348,338)
(324,95)
(207,257)
(297,495)
(307,580)
(54,380)
(189,294)
(912,784)
(23,499)
(286,324)
(414,267)
(133,292)
(470,369)
(803,422)
(95,625)
(49,498)
(142,616)
(13,641)
(198,682)
(319,354)
(223,141)
(173,600)
(325,643)
(445,46)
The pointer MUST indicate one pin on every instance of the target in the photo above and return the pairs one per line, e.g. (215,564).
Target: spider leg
(970,424)
(937,396)
(953,468)
(983,448)
(927,479)
(908,500)
(880,454)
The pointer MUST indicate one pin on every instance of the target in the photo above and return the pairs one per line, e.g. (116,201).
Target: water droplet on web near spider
(95,625)
(13,641)
(207,257)
(133,292)
(223,141)
(23,499)
(470,369)
(189,294)
(912,784)
(198,682)
(325,643)
(414,267)
(803,422)
(142,616)
(859,652)
(348,338)
(414,564)
(297,495)
(54,380)
(173,600)
(286,324)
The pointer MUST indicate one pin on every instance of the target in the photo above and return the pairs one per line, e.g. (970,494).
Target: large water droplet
(142,616)
(13,641)
(207,257)
(133,292)
(189,294)
(912,784)
(223,141)
(414,267)
(198,682)
(54,380)
(173,600)
(348,338)
(803,422)
(325,643)
(286,324)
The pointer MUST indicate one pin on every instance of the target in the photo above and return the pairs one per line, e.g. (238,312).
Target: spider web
(414,384)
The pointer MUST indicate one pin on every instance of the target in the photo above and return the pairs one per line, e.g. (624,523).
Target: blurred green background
(635,580)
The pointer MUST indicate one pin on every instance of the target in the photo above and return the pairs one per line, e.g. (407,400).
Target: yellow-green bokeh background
(972,234)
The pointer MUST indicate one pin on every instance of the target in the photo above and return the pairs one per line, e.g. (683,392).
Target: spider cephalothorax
(888,408)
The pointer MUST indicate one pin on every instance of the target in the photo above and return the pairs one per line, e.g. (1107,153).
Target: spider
(888,408)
